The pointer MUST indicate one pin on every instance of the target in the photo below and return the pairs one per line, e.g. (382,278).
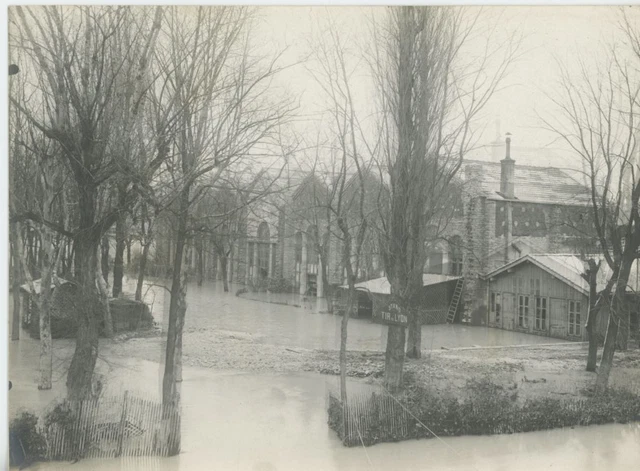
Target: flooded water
(247,421)
(238,421)
(210,308)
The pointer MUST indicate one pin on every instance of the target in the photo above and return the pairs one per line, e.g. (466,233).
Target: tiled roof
(382,286)
(547,185)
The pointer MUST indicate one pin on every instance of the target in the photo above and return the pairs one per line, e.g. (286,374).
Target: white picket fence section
(115,427)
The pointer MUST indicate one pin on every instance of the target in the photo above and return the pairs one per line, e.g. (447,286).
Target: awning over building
(382,286)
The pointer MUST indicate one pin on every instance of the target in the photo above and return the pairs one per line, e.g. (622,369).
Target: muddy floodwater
(238,421)
(209,307)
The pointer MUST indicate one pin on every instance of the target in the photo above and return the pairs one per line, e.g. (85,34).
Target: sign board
(390,314)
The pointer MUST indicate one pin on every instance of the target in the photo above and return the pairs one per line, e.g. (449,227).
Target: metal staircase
(455,300)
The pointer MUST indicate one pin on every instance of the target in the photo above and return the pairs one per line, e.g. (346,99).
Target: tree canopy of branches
(214,91)
(598,119)
(429,100)
(83,68)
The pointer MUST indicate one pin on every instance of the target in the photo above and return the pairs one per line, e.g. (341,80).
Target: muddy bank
(549,370)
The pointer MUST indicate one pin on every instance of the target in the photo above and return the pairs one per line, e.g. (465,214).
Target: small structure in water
(439,303)
(126,314)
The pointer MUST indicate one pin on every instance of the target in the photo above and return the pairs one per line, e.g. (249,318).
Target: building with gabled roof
(547,294)
(510,210)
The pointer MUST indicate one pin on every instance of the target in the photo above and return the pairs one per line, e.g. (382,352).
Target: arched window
(455,255)
(435,259)
(263,232)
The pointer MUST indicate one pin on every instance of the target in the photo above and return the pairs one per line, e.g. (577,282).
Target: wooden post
(123,420)
(303,266)
(319,280)
(247,265)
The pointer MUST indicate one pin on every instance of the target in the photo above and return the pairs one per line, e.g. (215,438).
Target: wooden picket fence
(371,415)
(114,427)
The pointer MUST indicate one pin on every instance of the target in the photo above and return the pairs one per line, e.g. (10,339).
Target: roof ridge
(536,167)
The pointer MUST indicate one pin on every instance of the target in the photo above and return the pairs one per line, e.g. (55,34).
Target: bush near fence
(27,443)
(488,409)
(103,427)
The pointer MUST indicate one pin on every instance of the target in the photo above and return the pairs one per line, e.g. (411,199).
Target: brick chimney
(506,172)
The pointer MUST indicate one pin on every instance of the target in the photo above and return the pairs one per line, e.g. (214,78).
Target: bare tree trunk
(344,324)
(104,259)
(104,301)
(595,302)
(128,242)
(16,253)
(346,261)
(328,290)
(80,375)
(121,236)
(46,343)
(615,317)
(394,358)
(414,337)
(118,262)
(200,260)
(223,268)
(592,357)
(141,271)
(177,312)
(44,305)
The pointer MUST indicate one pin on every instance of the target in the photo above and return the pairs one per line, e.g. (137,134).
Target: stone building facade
(291,235)
(506,210)
(509,210)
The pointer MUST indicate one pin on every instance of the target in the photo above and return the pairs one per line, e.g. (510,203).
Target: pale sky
(549,34)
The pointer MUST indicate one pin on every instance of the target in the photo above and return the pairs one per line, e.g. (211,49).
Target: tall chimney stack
(506,172)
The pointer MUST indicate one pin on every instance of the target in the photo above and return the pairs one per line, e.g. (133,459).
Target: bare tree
(346,171)
(595,304)
(86,73)
(147,223)
(47,177)
(429,100)
(217,93)
(599,119)
(223,217)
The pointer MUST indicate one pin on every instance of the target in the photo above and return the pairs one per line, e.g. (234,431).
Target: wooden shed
(541,294)
(63,293)
(437,295)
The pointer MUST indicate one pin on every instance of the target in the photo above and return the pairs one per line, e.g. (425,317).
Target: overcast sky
(550,34)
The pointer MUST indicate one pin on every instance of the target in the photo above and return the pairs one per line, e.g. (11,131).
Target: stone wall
(476,247)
